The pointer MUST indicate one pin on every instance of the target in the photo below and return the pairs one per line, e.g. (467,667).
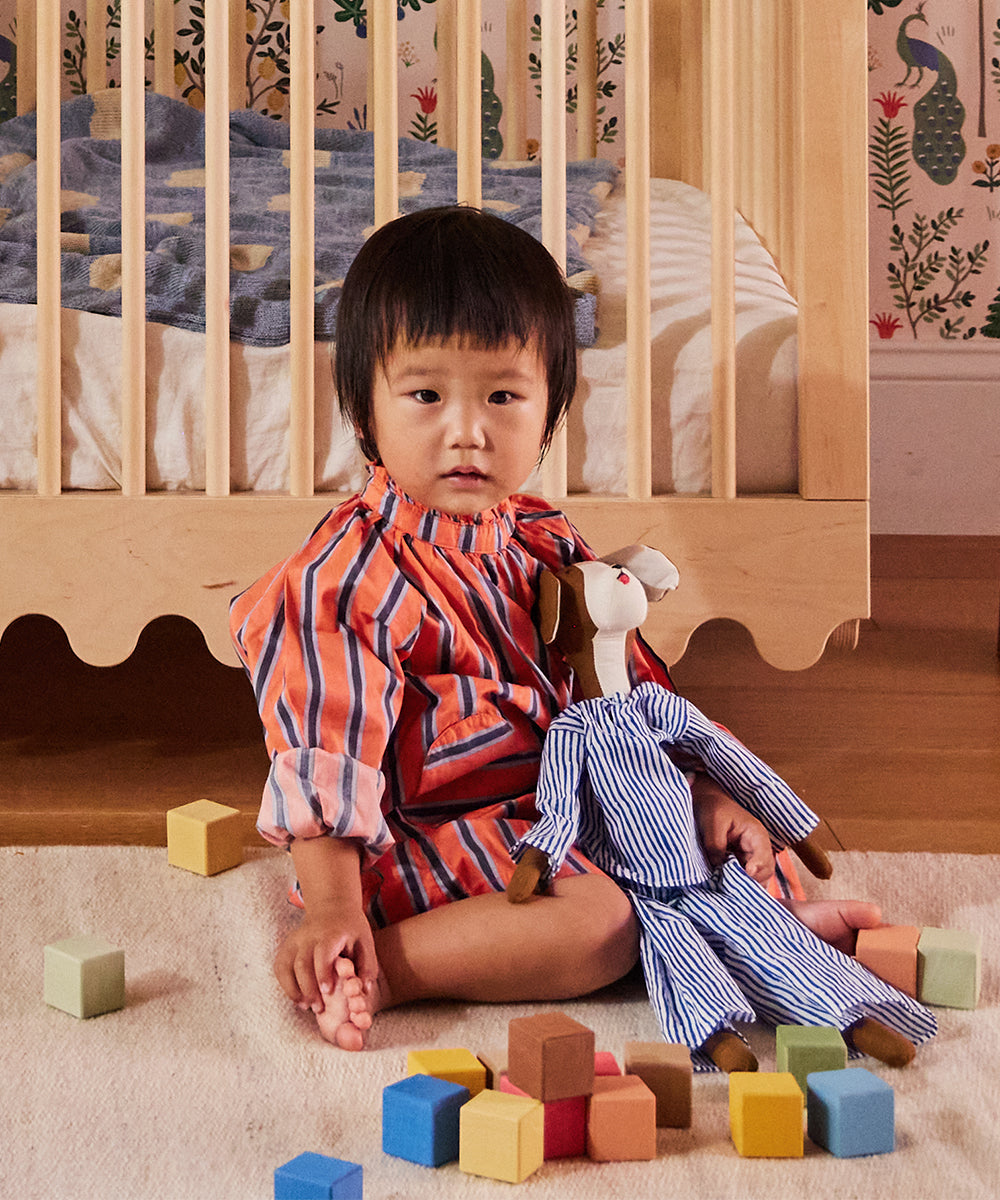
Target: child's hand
(726,828)
(304,964)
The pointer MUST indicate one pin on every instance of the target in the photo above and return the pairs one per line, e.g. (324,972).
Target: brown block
(550,1056)
(890,952)
(621,1120)
(666,1070)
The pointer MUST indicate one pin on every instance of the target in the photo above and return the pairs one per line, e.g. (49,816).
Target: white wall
(935,438)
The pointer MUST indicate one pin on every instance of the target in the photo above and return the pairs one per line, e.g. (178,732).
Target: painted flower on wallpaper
(891,103)
(990,169)
(876,6)
(422,127)
(886,324)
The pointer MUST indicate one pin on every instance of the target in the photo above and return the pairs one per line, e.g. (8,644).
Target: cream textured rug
(207,1079)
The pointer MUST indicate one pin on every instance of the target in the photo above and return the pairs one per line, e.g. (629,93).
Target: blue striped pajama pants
(725,952)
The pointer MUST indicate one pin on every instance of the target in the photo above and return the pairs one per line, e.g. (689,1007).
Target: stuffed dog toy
(716,948)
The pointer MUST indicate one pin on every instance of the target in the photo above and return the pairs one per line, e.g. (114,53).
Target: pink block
(605,1063)
(565,1123)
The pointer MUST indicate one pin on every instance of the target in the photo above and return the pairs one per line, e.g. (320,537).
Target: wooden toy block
(420,1119)
(550,1056)
(765,1114)
(801,1049)
(84,976)
(666,1070)
(605,1063)
(890,952)
(564,1123)
(204,837)
(454,1065)
(621,1120)
(317,1177)
(949,967)
(501,1136)
(851,1113)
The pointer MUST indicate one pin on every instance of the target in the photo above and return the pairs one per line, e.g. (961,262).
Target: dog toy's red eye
(623,578)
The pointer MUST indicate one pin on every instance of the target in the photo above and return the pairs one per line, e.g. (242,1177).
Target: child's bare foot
(347,1015)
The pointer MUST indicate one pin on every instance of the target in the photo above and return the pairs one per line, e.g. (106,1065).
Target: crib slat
(163,48)
(722,56)
(385,101)
(515,142)
(48,253)
(553,59)
(586,79)
(303,238)
(447,84)
(133,327)
(217,249)
(470,103)
(638,372)
(97,53)
(27,55)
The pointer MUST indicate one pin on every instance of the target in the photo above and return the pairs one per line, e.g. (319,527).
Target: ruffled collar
(477,533)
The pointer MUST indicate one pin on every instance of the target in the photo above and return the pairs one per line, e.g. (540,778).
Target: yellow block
(766,1114)
(204,837)
(455,1066)
(501,1136)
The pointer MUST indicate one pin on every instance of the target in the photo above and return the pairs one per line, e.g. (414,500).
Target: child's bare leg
(579,937)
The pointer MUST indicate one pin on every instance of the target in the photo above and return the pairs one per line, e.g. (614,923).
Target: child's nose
(467,427)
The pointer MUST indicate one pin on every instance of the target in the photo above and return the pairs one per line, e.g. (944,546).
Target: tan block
(666,1070)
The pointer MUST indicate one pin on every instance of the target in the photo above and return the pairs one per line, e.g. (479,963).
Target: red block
(565,1123)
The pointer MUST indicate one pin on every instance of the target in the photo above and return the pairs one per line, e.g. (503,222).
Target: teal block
(949,968)
(84,976)
(420,1119)
(851,1113)
(801,1049)
(317,1177)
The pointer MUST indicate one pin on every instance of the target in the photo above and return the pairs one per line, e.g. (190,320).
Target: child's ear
(549,589)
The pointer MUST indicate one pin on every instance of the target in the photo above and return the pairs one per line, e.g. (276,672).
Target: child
(403,686)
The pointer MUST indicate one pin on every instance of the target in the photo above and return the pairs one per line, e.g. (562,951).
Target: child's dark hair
(451,272)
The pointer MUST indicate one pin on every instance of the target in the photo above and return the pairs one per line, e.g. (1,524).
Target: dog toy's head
(591,610)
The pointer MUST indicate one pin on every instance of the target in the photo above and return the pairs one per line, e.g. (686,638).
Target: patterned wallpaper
(934,162)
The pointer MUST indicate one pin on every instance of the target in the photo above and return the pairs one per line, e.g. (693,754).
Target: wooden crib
(729,98)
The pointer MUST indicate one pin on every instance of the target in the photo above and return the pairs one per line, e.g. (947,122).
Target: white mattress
(681,334)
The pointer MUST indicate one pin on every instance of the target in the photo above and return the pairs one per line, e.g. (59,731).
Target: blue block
(851,1112)
(317,1177)
(420,1119)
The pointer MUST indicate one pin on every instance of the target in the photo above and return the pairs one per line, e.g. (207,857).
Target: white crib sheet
(681,335)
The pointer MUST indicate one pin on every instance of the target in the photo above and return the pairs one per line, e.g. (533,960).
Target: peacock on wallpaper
(934,164)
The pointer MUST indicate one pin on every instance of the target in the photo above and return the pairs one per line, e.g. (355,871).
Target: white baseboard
(935,438)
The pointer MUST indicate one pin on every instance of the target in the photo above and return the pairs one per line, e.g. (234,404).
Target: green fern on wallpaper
(610,53)
(915,276)
(996,61)
(74,57)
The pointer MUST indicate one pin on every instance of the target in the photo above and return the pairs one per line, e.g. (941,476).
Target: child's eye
(501,397)
(425,396)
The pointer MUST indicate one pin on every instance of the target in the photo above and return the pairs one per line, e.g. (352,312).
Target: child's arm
(334,925)
(727,828)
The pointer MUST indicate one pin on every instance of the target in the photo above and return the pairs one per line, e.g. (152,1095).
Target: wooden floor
(896,744)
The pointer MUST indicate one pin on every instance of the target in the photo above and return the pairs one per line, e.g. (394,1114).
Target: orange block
(890,952)
(621,1120)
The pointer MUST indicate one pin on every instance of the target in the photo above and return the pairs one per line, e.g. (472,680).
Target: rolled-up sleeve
(323,638)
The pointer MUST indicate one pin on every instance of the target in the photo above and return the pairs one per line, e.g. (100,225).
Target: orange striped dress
(405,692)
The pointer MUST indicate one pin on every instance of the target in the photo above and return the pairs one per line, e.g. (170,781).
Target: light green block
(949,968)
(801,1049)
(84,976)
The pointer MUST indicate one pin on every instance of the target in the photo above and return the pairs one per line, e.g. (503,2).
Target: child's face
(459,427)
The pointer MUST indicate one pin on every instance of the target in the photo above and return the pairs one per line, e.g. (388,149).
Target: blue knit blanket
(259,216)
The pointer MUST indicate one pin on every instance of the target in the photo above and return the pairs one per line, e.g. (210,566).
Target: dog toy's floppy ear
(654,570)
